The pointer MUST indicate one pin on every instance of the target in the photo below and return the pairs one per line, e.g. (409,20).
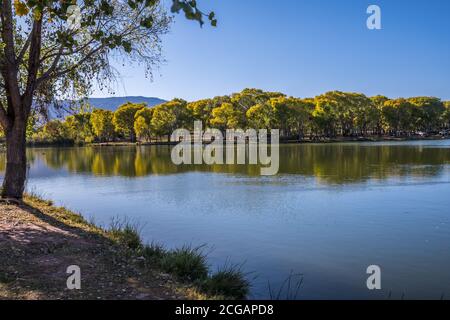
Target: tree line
(330,115)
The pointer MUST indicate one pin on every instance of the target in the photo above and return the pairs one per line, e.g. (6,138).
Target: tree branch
(53,73)
(33,64)
(24,50)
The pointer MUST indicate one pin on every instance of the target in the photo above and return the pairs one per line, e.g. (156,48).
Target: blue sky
(303,48)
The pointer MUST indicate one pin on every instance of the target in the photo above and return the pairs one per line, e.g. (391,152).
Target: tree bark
(16,165)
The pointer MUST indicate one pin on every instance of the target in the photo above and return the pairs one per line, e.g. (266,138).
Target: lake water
(333,210)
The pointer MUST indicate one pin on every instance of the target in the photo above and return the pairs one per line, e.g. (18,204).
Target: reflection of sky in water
(333,210)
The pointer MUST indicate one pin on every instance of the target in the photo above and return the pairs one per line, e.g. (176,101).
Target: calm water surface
(333,210)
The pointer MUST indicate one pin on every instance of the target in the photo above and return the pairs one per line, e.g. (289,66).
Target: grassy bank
(38,241)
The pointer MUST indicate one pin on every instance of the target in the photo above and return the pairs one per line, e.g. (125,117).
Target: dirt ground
(37,244)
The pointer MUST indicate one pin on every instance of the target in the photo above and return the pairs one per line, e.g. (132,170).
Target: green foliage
(201,110)
(378,101)
(170,116)
(281,113)
(328,115)
(291,115)
(142,123)
(300,115)
(445,118)
(102,124)
(154,253)
(260,116)
(377,115)
(126,234)
(429,111)
(191,12)
(398,115)
(54,131)
(123,119)
(72,56)
(79,127)
(31,125)
(163,120)
(227,116)
(247,98)
(229,282)
(324,117)
(187,263)
(349,112)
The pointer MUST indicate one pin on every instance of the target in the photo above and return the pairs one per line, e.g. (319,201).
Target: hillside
(112,103)
(109,103)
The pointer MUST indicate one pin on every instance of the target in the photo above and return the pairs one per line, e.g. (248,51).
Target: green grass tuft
(126,234)
(153,253)
(229,282)
(33,195)
(187,263)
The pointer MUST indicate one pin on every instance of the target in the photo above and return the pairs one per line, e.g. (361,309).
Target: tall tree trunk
(16,165)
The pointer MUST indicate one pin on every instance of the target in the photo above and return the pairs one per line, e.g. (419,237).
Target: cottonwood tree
(398,116)
(102,124)
(260,116)
(227,116)
(51,48)
(142,123)
(201,110)
(123,119)
(169,116)
(430,110)
(446,115)
(378,102)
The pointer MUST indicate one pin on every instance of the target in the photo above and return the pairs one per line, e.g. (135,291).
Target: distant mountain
(112,103)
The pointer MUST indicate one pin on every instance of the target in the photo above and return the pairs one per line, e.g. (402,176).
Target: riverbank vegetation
(39,241)
(330,115)
(187,264)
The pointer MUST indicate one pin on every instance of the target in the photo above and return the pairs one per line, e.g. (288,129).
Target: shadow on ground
(38,243)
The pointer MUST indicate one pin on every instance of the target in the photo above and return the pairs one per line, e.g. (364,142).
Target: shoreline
(39,241)
(286,142)
(282,142)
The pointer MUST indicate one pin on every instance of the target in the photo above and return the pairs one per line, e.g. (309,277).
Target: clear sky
(303,48)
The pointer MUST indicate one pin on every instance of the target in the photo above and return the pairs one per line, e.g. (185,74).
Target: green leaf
(127,46)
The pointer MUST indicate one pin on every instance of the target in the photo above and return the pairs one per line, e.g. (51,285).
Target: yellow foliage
(21,8)
(37,14)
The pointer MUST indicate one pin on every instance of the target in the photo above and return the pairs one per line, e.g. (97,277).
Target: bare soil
(39,241)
